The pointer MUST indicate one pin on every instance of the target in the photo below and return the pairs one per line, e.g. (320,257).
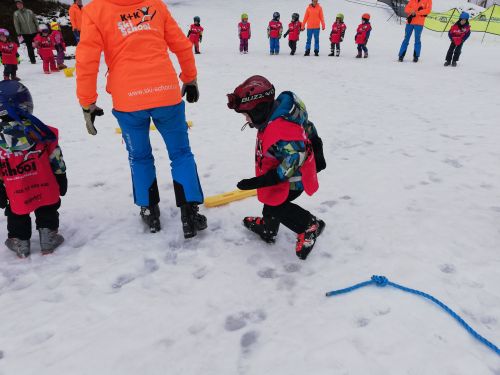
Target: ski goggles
(233,101)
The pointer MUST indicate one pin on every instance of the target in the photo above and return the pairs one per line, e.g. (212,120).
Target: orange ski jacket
(314,17)
(75,17)
(421,8)
(135,36)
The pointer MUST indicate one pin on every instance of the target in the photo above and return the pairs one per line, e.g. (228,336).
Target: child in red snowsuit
(44,43)
(244,33)
(59,44)
(337,34)
(33,172)
(362,35)
(458,34)
(8,52)
(274,31)
(293,32)
(195,34)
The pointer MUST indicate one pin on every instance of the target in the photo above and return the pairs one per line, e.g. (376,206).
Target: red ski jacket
(28,177)
(282,130)
(294,30)
(459,34)
(338,31)
(195,32)
(274,29)
(58,39)
(8,51)
(45,45)
(244,31)
(363,33)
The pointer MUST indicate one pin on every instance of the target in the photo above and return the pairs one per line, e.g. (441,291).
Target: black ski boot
(338,53)
(358,56)
(454,63)
(331,54)
(266,228)
(20,247)
(316,53)
(447,63)
(192,221)
(151,216)
(307,53)
(49,240)
(415,58)
(306,240)
(401,58)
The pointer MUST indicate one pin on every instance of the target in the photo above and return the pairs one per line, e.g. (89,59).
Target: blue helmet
(15,95)
(464,16)
(276,16)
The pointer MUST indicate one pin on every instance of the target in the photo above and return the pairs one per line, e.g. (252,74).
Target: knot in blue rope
(380,280)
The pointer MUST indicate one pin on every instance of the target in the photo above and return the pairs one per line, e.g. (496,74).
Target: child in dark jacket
(244,33)
(8,53)
(288,155)
(33,172)
(362,35)
(293,32)
(337,34)
(274,31)
(195,34)
(458,34)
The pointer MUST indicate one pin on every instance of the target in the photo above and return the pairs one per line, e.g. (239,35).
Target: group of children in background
(458,34)
(46,41)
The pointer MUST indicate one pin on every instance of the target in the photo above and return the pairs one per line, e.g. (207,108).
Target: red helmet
(247,96)
(365,16)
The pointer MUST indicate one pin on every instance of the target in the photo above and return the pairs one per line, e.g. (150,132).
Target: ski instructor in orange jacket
(135,36)
(416,10)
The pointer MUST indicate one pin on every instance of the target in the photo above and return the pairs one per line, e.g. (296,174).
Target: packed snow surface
(411,192)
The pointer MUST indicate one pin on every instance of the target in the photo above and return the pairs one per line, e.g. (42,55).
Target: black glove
(89,113)
(190,89)
(286,34)
(62,181)
(420,8)
(409,19)
(319,158)
(269,179)
(3,196)
(201,37)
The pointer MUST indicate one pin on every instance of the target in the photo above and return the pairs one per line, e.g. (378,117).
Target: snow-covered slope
(411,191)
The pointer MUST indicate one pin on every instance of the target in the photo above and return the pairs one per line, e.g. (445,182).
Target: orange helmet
(365,16)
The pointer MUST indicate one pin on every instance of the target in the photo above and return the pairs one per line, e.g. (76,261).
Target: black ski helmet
(276,16)
(196,19)
(14,94)
(295,17)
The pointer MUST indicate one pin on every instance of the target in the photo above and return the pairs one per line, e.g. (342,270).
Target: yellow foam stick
(236,195)
(152,127)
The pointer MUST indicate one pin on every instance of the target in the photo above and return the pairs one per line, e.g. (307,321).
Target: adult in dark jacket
(26,26)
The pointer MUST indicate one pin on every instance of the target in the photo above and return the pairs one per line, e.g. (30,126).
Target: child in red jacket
(59,44)
(293,32)
(44,43)
(195,34)
(8,52)
(33,172)
(362,35)
(274,31)
(244,33)
(458,34)
(337,34)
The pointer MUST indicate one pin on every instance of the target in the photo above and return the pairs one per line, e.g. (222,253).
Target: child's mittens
(62,181)
(3,196)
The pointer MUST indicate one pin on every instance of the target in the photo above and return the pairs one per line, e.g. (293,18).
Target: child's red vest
(195,32)
(28,177)
(337,30)
(275,29)
(244,28)
(362,33)
(8,51)
(57,38)
(45,45)
(458,33)
(282,130)
(294,30)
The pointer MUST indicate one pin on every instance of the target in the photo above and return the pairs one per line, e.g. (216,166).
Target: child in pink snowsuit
(195,34)
(244,33)
(44,43)
(59,44)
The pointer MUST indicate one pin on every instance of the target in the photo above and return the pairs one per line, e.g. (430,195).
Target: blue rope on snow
(382,281)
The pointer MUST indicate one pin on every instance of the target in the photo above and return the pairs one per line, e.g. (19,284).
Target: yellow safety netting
(485,22)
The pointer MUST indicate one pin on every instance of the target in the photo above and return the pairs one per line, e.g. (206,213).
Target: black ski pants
(454,52)
(335,45)
(9,71)
(19,226)
(28,39)
(289,214)
(293,46)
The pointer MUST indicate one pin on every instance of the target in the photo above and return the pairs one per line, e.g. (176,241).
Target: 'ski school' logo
(28,165)
(136,21)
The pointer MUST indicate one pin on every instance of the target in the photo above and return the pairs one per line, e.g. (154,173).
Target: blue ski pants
(310,34)
(171,124)
(418,44)
(274,44)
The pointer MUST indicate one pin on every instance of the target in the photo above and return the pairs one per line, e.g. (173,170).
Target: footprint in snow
(237,321)
(447,268)
(170,258)
(248,340)
(286,282)
(381,312)
(200,273)
(122,280)
(329,203)
(454,163)
(267,273)
(362,322)
(291,267)
(345,197)
(151,265)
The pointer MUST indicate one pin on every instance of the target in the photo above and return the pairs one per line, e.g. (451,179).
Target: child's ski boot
(192,221)
(358,56)
(454,63)
(447,63)
(366,55)
(306,240)
(20,247)
(151,216)
(331,54)
(266,228)
(49,240)
(338,53)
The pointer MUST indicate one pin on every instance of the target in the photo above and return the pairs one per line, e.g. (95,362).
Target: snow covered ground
(412,191)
